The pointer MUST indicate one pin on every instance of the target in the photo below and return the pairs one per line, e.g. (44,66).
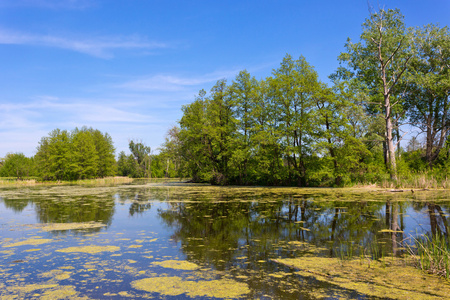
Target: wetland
(175,240)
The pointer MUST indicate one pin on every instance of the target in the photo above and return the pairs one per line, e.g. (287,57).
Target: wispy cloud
(162,82)
(22,125)
(102,46)
(49,4)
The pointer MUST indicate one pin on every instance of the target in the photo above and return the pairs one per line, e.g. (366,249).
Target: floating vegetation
(395,279)
(105,239)
(89,249)
(177,264)
(56,274)
(50,291)
(32,241)
(69,226)
(175,286)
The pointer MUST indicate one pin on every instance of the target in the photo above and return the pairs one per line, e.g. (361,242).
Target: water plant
(433,254)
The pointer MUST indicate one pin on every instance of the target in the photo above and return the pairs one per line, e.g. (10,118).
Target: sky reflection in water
(234,235)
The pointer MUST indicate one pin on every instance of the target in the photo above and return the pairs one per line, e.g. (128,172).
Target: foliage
(290,128)
(17,165)
(80,154)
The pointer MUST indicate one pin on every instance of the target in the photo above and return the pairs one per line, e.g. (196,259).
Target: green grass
(433,254)
(107,181)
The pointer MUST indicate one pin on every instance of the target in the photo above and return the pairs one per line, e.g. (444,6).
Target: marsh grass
(432,254)
(107,181)
(10,181)
(374,251)
(417,181)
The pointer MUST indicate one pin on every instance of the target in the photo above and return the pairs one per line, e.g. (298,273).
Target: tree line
(293,129)
(62,155)
(84,153)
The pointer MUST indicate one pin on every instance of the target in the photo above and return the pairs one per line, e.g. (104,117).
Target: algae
(90,249)
(175,286)
(69,226)
(177,264)
(32,242)
(371,278)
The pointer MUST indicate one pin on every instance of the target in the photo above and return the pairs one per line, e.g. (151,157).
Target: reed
(432,254)
(107,181)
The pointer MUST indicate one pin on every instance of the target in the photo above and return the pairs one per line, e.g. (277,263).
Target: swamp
(148,240)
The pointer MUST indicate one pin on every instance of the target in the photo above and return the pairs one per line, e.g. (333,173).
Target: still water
(192,241)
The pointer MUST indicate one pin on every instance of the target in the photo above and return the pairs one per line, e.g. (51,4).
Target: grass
(374,251)
(432,254)
(417,181)
(107,181)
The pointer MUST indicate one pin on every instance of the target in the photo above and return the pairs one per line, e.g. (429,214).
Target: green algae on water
(70,226)
(175,286)
(32,241)
(372,278)
(177,264)
(90,249)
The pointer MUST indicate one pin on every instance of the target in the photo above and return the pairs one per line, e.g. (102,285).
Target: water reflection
(210,230)
(240,233)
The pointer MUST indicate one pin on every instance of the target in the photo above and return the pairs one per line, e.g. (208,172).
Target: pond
(173,240)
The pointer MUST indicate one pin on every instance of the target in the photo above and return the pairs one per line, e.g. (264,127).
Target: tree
(266,150)
(142,158)
(53,155)
(243,93)
(75,155)
(193,139)
(84,159)
(292,90)
(123,166)
(219,128)
(171,153)
(17,165)
(428,88)
(104,147)
(380,60)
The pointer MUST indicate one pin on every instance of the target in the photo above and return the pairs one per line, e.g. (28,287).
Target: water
(187,241)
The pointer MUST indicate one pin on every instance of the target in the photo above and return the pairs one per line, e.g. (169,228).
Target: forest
(291,128)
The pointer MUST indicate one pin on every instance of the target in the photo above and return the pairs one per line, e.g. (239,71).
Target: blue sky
(127,67)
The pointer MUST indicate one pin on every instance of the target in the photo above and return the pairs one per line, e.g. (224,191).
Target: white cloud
(175,83)
(22,125)
(99,46)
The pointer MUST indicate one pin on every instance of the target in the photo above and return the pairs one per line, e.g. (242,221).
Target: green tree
(53,155)
(84,159)
(428,88)
(123,165)
(75,155)
(220,126)
(105,150)
(266,150)
(142,157)
(292,90)
(380,60)
(171,154)
(243,92)
(193,139)
(17,165)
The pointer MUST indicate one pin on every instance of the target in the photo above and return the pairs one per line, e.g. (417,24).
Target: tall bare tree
(380,60)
